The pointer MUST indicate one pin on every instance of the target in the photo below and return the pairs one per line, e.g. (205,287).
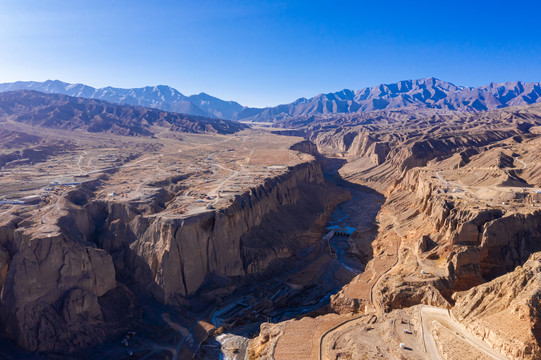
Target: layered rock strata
(64,271)
(505,312)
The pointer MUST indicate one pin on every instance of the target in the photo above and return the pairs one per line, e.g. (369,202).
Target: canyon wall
(460,213)
(380,153)
(51,289)
(460,245)
(173,257)
(505,312)
(64,271)
(477,243)
(383,147)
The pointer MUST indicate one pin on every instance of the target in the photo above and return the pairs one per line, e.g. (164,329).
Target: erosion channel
(186,261)
(305,288)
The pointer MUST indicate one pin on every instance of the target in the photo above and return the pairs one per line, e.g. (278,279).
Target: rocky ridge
(71,113)
(378,155)
(429,95)
(413,95)
(505,311)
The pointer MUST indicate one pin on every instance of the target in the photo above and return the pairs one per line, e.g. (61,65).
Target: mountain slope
(160,97)
(427,93)
(216,107)
(74,113)
(422,94)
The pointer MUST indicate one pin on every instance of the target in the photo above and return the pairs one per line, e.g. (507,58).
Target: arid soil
(120,245)
(459,230)
(403,237)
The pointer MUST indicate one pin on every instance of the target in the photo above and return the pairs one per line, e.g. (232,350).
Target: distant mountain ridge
(429,93)
(58,111)
(160,97)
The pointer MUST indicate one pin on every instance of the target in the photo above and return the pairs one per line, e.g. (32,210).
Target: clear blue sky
(268,52)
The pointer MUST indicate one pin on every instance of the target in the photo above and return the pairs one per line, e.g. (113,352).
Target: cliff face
(174,256)
(51,288)
(461,211)
(380,152)
(478,244)
(354,144)
(403,153)
(456,244)
(506,312)
(61,271)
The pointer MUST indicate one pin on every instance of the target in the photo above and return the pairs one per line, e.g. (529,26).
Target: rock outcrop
(63,274)
(478,244)
(175,256)
(461,212)
(378,155)
(506,312)
(460,245)
(51,286)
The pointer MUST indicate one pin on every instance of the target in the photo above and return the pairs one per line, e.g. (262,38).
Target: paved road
(431,315)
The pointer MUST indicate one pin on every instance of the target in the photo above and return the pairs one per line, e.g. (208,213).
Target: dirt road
(431,315)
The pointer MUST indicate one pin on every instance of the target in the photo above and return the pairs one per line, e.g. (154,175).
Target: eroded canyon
(396,236)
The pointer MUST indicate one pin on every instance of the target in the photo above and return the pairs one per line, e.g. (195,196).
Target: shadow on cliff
(304,270)
(273,299)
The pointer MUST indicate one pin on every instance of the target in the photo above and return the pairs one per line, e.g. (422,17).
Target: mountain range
(160,97)
(58,111)
(429,93)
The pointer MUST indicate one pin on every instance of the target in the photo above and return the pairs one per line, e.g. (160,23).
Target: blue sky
(268,52)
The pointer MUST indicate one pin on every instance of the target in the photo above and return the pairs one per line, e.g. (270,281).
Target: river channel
(305,289)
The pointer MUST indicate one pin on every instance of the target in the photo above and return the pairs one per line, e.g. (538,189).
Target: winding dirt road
(431,315)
